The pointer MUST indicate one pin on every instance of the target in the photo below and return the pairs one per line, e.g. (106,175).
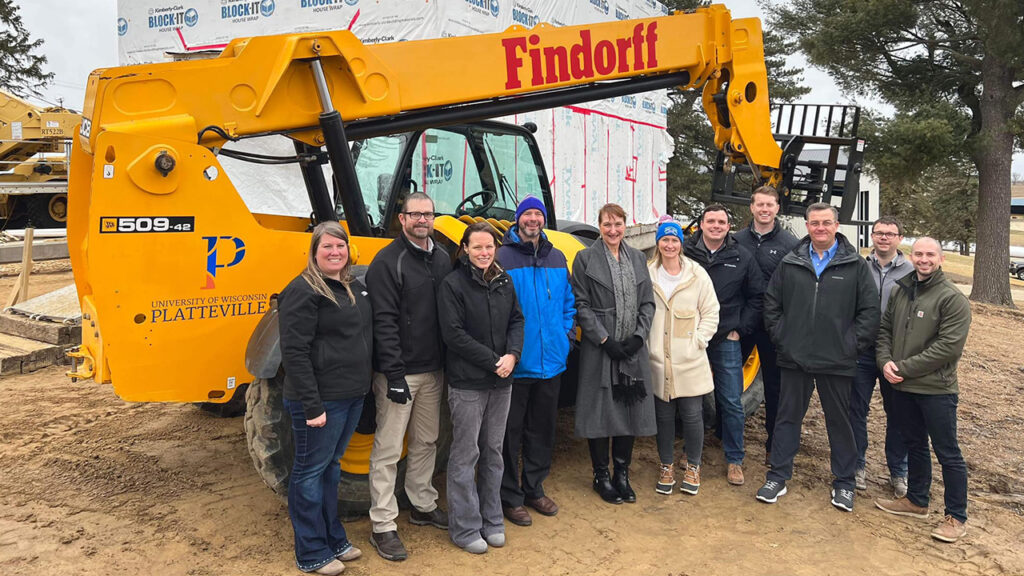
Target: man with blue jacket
(540,275)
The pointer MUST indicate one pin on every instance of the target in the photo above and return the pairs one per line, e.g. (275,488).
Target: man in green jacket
(920,342)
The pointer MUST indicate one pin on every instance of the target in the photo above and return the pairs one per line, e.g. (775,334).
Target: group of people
(655,336)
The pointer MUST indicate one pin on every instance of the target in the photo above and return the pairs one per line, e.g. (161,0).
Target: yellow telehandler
(177,276)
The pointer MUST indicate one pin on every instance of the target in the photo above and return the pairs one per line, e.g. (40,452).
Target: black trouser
(531,426)
(794,396)
(622,451)
(691,412)
(770,376)
(924,416)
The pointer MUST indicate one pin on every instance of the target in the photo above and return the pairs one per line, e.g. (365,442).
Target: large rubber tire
(48,210)
(751,400)
(233,408)
(268,432)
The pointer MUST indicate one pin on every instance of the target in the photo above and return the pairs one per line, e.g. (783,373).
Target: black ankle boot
(620,481)
(603,486)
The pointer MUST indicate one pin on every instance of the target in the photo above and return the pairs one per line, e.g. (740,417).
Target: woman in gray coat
(614,308)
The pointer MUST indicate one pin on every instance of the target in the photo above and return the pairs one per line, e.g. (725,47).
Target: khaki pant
(419,418)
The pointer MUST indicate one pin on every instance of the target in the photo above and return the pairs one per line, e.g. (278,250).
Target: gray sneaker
(477,546)
(899,486)
(843,499)
(770,492)
(860,479)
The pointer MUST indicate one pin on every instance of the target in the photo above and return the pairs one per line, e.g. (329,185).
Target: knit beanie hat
(530,203)
(669,229)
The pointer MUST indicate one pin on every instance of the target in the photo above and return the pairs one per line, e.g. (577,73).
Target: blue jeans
(313,487)
(727,371)
(860,405)
(924,416)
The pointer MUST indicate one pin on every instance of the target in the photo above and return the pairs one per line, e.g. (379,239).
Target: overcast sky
(81,35)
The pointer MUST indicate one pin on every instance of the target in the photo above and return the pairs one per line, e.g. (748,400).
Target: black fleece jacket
(402,281)
(480,321)
(738,281)
(768,249)
(325,347)
(820,325)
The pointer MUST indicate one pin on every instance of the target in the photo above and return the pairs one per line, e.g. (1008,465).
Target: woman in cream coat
(685,319)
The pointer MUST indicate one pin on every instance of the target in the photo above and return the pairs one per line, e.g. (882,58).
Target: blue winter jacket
(545,296)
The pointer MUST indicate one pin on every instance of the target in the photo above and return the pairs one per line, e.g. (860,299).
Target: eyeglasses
(885,234)
(825,224)
(428,216)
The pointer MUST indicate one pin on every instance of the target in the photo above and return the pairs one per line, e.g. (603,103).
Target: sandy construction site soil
(92,485)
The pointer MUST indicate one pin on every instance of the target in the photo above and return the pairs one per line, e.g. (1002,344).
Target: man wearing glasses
(821,311)
(887,265)
(402,281)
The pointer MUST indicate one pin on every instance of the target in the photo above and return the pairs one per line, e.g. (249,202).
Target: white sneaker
(477,546)
(899,486)
(860,479)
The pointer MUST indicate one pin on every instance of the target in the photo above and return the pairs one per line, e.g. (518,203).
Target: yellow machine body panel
(172,268)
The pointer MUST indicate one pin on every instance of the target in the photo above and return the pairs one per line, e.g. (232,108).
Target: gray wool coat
(597,414)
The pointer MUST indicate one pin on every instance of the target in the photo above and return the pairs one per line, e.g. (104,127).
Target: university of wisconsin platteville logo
(221,252)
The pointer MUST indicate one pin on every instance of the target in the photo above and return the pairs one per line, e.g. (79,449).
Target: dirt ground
(92,485)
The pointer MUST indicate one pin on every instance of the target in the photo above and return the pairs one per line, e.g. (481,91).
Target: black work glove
(398,391)
(632,345)
(613,348)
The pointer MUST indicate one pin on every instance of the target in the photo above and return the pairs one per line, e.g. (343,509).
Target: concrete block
(46,249)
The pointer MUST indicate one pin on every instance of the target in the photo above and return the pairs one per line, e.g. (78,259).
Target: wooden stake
(20,290)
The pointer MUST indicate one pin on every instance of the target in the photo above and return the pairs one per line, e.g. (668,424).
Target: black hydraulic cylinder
(465,113)
(341,158)
(316,184)
(345,174)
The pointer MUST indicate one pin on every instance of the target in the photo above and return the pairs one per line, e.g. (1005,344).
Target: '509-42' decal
(134,224)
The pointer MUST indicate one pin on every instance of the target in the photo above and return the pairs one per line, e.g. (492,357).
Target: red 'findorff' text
(581,60)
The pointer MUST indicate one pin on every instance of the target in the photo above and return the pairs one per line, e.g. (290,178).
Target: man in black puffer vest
(821,311)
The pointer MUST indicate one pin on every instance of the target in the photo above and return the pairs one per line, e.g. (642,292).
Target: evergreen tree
(21,68)
(966,54)
(926,177)
(688,181)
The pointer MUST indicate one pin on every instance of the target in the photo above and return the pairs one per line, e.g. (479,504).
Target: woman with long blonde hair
(326,348)
(685,320)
